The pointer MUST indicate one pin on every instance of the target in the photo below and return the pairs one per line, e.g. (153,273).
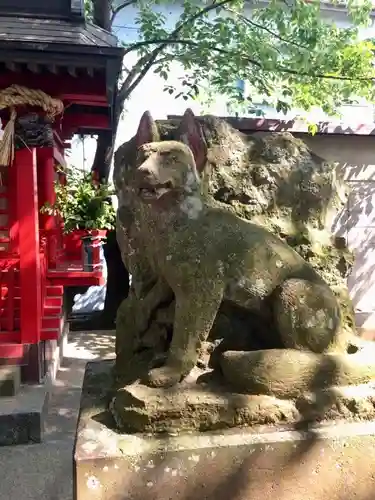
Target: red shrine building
(58,77)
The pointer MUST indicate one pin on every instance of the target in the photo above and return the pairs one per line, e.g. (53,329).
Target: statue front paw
(163,377)
(141,323)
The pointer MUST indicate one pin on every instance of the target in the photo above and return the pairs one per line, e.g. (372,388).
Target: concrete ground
(44,471)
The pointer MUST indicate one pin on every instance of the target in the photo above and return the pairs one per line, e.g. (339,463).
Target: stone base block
(334,461)
(22,416)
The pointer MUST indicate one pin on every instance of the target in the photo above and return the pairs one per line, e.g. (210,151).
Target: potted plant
(87,213)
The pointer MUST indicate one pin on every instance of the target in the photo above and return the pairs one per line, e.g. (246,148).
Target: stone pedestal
(332,461)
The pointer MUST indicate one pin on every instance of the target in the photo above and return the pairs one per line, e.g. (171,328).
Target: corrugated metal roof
(294,126)
(30,30)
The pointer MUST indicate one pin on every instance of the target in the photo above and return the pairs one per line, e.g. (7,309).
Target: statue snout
(145,173)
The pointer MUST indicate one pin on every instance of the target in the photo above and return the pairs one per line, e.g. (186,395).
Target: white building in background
(150,95)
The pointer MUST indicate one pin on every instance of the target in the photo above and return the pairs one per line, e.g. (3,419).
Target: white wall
(355,158)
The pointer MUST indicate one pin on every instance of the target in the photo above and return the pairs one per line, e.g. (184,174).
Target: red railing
(10,298)
(43,270)
(54,245)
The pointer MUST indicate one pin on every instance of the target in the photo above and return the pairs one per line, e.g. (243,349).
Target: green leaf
(312,128)
(88,9)
(81,204)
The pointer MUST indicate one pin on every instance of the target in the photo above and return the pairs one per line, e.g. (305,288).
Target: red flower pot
(73,242)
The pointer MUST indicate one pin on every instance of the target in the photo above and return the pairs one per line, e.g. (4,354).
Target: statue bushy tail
(288,373)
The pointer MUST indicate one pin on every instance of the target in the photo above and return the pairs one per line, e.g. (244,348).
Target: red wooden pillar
(46,194)
(28,231)
(13,220)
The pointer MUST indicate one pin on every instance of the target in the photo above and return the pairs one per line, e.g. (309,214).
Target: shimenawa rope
(17,95)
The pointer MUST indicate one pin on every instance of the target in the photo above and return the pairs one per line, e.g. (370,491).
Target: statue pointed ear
(190,133)
(147,130)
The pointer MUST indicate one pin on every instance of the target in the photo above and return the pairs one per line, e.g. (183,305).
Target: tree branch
(245,57)
(141,68)
(119,8)
(249,22)
(128,86)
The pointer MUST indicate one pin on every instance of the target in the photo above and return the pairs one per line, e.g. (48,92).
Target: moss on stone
(275,181)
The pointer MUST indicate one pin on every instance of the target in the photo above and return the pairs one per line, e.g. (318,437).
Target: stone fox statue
(205,254)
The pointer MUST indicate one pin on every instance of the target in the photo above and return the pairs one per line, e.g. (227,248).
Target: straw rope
(17,95)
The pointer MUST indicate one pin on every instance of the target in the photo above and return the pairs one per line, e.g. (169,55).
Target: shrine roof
(65,56)
(40,33)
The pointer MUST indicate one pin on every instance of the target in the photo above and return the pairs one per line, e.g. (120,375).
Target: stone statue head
(165,168)
(169,168)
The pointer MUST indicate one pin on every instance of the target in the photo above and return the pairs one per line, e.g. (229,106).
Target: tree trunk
(103,154)
(102,13)
(117,281)
(118,276)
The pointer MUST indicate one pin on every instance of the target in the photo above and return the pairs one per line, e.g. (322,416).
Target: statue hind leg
(308,317)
